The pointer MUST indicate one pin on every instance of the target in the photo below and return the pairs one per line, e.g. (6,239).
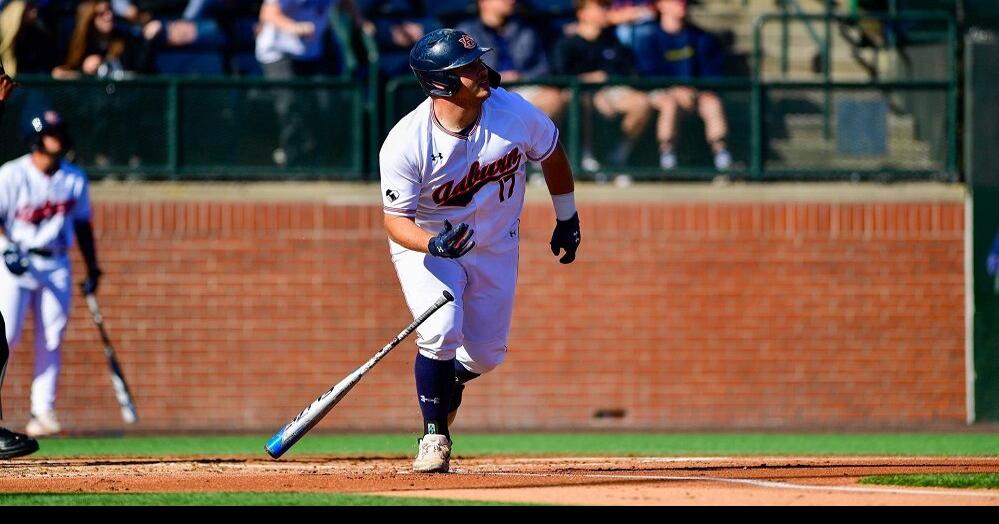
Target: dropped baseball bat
(287,436)
(121,391)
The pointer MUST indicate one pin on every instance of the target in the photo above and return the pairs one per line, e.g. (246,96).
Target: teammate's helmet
(45,122)
(440,51)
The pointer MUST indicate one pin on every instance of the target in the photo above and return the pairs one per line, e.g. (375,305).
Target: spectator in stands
(27,38)
(293,42)
(143,11)
(294,33)
(633,19)
(177,24)
(518,53)
(398,25)
(594,54)
(683,51)
(100,45)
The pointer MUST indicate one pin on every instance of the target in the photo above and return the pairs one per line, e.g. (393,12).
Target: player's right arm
(405,232)
(401,180)
(401,185)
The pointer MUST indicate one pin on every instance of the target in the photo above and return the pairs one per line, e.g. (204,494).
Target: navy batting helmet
(440,51)
(45,122)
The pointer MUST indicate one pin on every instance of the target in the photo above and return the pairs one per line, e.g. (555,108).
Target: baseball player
(12,443)
(44,204)
(453,178)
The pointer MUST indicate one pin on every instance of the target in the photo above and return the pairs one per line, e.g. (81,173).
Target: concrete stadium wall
(234,316)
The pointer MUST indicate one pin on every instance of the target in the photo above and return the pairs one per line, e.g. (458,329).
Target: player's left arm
(558,177)
(84,231)
(85,238)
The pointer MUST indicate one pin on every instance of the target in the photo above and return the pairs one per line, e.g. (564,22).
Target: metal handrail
(785,15)
(828,17)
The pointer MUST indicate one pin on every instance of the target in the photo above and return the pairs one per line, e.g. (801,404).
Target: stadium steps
(732,16)
(800,142)
(804,146)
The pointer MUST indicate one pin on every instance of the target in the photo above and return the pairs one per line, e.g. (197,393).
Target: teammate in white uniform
(453,180)
(12,443)
(44,204)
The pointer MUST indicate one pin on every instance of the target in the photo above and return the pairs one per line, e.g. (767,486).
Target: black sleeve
(85,237)
(1,110)
(625,63)
(568,62)
(559,57)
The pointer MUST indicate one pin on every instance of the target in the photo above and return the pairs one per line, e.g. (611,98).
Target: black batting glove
(89,284)
(15,260)
(451,242)
(566,236)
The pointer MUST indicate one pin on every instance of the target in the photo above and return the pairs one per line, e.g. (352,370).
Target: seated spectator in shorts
(594,53)
(100,45)
(518,53)
(683,51)
(399,24)
(27,37)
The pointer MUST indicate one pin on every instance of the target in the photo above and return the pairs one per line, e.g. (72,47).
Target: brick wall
(234,316)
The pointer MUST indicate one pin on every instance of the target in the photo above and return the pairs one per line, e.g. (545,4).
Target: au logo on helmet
(50,117)
(467,41)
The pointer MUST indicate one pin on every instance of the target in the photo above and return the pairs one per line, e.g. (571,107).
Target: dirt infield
(569,480)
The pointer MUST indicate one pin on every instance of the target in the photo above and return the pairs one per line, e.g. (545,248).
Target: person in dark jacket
(595,54)
(684,51)
(518,52)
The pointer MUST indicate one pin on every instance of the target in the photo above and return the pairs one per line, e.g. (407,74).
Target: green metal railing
(894,17)
(190,128)
(173,128)
(747,102)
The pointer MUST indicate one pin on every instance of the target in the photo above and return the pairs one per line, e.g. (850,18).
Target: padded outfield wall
(687,308)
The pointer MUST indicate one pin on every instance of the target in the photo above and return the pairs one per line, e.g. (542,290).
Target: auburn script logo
(503,170)
(37,215)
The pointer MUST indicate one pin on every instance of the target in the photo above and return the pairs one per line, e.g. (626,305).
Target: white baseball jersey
(430,173)
(38,210)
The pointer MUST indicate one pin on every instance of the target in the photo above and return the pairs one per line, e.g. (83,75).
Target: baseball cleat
(434,455)
(43,425)
(13,444)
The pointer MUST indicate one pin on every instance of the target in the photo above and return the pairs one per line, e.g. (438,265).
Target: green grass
(622,444)
(939,480)
(222,499)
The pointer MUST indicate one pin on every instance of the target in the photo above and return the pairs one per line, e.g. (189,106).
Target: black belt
(42,252)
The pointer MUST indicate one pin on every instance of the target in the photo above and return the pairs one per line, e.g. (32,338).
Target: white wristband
(565,206)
